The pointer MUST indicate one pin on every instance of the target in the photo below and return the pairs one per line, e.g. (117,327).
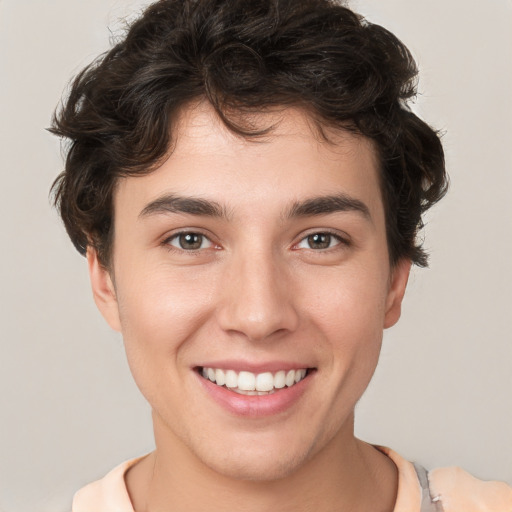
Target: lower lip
(255,405)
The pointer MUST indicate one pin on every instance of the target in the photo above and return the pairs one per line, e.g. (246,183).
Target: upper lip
(254,367)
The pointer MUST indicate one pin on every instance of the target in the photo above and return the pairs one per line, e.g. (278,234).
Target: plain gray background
(442,393)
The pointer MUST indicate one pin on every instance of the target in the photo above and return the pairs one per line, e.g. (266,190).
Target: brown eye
(319,240)
(190,241)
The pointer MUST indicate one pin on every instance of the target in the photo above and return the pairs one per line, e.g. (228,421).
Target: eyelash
(341,241)
(176,236)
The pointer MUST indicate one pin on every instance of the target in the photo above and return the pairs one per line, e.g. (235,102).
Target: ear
(103,290)
(398,284)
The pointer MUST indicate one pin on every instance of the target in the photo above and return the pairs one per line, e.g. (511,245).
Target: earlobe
(103,290)
(399,278)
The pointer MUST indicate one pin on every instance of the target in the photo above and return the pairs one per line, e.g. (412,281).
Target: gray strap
(428,502)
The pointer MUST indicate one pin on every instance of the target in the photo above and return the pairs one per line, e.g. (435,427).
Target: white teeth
(280,380)
(265,381)
(248,383)
(252,393)
(249,393)
(299,375)
(220,377)
(231,379)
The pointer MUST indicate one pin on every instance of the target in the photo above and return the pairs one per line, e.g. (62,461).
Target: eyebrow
(323,205)
(171,203)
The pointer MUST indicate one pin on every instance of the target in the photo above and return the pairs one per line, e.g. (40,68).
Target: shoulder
(457,491)
(108,494)
(448,489)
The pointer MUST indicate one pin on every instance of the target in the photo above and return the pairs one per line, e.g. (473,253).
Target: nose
(257,298)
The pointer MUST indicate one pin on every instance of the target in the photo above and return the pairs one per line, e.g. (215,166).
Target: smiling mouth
(248,383)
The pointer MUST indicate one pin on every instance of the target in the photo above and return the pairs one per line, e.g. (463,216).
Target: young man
(247,183)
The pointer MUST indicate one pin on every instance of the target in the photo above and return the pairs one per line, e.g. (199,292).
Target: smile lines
(248,383)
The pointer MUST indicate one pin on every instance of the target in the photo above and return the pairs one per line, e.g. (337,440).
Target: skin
(256,290)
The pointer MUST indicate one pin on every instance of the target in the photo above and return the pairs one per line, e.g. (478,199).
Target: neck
(346,475)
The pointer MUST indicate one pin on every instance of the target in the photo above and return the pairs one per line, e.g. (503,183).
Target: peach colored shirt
(451,490)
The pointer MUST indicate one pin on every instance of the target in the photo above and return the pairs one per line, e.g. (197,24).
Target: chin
(257,457)
(256,467)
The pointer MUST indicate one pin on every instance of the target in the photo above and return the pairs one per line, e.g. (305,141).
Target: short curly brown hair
(243,57)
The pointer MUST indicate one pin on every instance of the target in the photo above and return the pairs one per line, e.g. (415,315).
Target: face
(241,267)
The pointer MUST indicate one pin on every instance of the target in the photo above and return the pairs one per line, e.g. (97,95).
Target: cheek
(350,314)
(162,302)
(159,314)
(350,301)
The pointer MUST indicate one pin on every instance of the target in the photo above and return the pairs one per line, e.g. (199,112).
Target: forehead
(291,161)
